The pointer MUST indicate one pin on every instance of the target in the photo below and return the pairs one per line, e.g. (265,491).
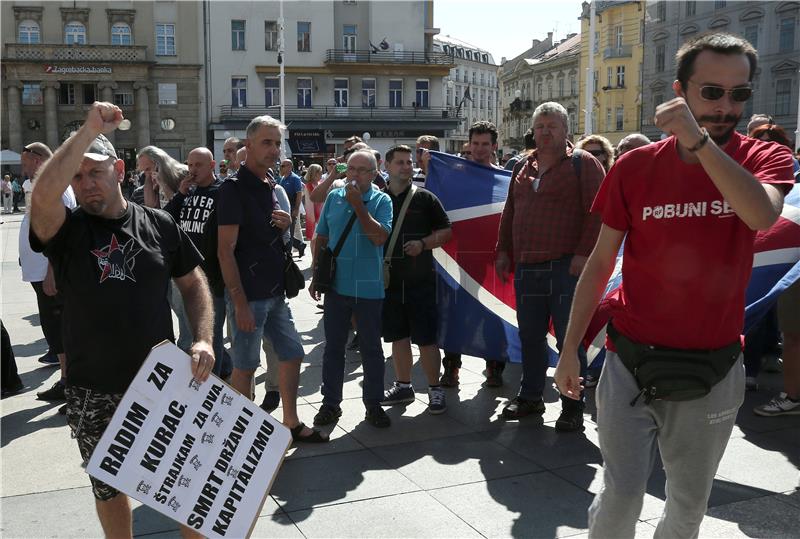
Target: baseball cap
(100,149)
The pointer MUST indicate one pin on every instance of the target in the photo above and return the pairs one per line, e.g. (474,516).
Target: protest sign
(201,454)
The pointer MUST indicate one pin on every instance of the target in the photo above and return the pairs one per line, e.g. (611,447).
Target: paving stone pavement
(466,473)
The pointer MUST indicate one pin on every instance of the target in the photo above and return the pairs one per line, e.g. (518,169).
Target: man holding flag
(688,208)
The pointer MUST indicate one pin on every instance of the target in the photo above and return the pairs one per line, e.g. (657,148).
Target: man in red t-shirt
(688,208)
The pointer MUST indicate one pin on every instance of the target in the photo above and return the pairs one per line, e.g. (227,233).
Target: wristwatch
(702,142)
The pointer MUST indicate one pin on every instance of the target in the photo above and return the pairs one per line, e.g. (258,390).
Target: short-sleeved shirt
(195,214)
(113,276)
(359,266)
(33,264)
(246,200)
(424,215)
(292,184)
(687,257)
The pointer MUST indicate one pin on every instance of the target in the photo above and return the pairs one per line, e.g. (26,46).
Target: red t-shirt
(687,257)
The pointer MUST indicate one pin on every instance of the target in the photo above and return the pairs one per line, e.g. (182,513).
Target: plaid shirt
(553,221)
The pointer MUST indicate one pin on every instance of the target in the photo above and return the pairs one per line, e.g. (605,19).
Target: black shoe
(494,373)
(571,418)
(519,408)
(449,377)
(62,410)
(271,401)
(327,415)
(13,390)
(377,417)
(301,251)
(55,393)
(354,344)
(49,358)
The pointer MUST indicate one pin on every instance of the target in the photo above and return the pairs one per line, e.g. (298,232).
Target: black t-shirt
(424,215)
(247,200)
(195,214)
(113,275)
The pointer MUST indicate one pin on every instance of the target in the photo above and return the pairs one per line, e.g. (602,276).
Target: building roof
(454,42)
(568,46)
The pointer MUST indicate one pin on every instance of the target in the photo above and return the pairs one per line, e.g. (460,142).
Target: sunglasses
(713,93)
(597,153)
(34,152)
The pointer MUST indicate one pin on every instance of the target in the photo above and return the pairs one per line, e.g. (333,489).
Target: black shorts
(411,312)
(88,414)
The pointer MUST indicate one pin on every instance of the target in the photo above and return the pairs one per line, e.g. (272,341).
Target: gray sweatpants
(691,436)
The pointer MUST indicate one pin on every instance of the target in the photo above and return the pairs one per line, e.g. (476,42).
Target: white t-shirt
(34,265)
(27,188)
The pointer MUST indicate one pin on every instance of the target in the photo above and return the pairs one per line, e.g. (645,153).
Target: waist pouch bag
(325,266)
(294,281)
(673,374)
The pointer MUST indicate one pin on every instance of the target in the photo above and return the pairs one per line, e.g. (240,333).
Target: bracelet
(702,141)
(422,241)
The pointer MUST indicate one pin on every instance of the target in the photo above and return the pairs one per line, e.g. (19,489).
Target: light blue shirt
(359,266)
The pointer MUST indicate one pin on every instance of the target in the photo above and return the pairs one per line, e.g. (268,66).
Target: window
(549,89)
(421,95)
(661,55)
(341,93)
(786,39)
(608,120)
(28,32)
(618,30)
(89,94)
(719,4)
(121,34)
(31,93)
(560,87)
(303,37)
(620,76)
(482,79)
(239,91)
(368,93)
(237,35)
(272,92)
(449,99)
(573,85)
(691,8)
(610,73)
(594,121)
(474,77)
(349,35)
(304,93)
(596,46)
(74,33)
(270,35)
(595,80)
(620,118)
(165,40)
(661,10)
(657,100)
(167,93)
(66,94)
(539,91)
(751,34)
(783,95)
(396,93)
(123,99)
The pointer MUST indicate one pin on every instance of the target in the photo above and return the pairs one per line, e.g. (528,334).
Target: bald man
(192,207)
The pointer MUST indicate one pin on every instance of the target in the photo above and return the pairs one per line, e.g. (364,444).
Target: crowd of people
(211,241)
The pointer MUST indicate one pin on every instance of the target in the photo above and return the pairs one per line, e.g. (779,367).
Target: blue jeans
(273,318)
(542,291)
(336,321)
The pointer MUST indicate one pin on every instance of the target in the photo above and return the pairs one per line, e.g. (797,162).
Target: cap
(100,150)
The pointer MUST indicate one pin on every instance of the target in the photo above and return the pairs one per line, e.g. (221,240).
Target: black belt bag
(673,374)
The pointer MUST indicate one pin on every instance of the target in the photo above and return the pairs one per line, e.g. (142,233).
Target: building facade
(59,57)
(351,68)
(617,48)
(471,88)
(771,27)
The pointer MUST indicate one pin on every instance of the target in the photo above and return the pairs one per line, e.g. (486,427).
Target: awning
(8,157)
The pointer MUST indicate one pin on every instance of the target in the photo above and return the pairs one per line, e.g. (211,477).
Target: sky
(506,27)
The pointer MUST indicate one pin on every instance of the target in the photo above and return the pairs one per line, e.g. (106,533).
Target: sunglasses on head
(34,152)
(713,93)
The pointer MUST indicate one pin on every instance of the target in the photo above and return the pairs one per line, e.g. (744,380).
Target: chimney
(550,37)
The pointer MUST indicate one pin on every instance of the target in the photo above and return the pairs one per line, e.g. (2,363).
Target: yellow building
(616,80)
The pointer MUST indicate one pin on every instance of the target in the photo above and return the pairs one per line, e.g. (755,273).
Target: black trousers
(8,370)
(50,308)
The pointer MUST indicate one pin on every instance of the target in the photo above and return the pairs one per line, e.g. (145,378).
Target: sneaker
(354,344)
(449,377)
(327,414)
(377,417)
(55,393)
(780,405)
(271,401)
(398,395)
(49,358)
(436,400)
(519,408)
(750,383)
(494,373)
(571,418)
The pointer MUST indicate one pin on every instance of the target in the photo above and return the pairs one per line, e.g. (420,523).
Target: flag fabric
(478,311)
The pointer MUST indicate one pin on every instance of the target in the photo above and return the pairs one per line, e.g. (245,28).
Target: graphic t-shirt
(687,257)
(113,275)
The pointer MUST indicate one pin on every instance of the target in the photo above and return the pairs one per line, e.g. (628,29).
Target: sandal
(314,438)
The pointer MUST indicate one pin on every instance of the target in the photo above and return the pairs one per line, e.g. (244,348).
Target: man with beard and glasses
(688,207)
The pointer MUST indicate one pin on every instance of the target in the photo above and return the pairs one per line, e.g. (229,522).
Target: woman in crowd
(600,147)
(162,174)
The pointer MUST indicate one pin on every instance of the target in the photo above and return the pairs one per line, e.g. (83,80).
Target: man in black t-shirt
(409,309)
(113,260)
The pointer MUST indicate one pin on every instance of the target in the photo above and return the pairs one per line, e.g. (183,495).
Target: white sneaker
(780,405)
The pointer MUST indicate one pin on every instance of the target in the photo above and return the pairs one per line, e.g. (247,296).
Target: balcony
(324,112)
(625,51)
(380,57)
(42,52)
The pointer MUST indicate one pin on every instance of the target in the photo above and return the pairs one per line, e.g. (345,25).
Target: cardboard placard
(201,454)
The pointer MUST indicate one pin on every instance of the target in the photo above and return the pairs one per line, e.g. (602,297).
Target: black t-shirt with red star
(113,275)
